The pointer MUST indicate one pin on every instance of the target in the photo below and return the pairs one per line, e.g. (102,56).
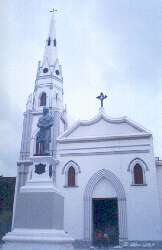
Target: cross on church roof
(101,97)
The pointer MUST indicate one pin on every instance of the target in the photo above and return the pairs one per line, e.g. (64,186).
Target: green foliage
(7,188)
(5,216)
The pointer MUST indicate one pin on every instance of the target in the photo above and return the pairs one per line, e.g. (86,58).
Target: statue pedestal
(41,175)
(38,220)
(25,239)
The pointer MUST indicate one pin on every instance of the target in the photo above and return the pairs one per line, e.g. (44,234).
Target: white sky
(113,46)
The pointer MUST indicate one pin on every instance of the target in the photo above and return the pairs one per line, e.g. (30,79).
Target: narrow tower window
(71,177)
(54,42)
(49,41)
(138,174)
(43,99)
(57,72)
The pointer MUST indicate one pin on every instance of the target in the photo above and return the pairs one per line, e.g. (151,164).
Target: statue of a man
(43,137)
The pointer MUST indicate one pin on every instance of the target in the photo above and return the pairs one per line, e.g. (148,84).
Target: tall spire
(50,52)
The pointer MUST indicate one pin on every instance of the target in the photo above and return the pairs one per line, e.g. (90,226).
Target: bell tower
(49,81)
(48,92)
(38,213)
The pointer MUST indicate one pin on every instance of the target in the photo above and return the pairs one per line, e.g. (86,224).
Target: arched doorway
(88,204)
(105,221)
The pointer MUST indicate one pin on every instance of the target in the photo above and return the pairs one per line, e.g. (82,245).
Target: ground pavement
(111,248)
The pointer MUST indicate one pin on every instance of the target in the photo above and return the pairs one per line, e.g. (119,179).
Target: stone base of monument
(27,239)
(38,222)
(38,218)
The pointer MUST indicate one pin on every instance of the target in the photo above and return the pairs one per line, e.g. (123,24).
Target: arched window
(43,99)
(71,177)
(138,174)
(71,170)
(138,169)
(49,41)
(54,42)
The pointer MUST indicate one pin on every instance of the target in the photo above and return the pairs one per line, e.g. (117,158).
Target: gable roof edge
(102,115)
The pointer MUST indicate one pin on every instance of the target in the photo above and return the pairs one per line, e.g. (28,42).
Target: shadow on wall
(7,189)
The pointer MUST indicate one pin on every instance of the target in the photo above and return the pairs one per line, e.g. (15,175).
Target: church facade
(105,168)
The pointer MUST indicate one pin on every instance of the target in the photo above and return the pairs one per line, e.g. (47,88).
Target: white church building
(104,167)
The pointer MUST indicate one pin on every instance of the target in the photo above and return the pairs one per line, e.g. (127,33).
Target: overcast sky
(114,46)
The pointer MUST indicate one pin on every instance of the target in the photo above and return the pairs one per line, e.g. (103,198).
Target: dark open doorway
(105,222)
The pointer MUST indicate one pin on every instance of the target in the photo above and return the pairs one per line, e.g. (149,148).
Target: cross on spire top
(101,97)
(53,10)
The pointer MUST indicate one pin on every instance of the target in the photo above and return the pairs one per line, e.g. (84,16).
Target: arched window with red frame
(138,174)
(71,177)
(43,99)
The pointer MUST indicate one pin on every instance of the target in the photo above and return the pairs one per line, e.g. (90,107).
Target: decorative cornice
(24,162)
(106,147)
(103,138)
(39,112)
(40,159)
(50,85)
(49,76)
(105,153)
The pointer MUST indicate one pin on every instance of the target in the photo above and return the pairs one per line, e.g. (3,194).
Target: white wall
(159,181)
(104,189)
(102,127)
(142,201)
